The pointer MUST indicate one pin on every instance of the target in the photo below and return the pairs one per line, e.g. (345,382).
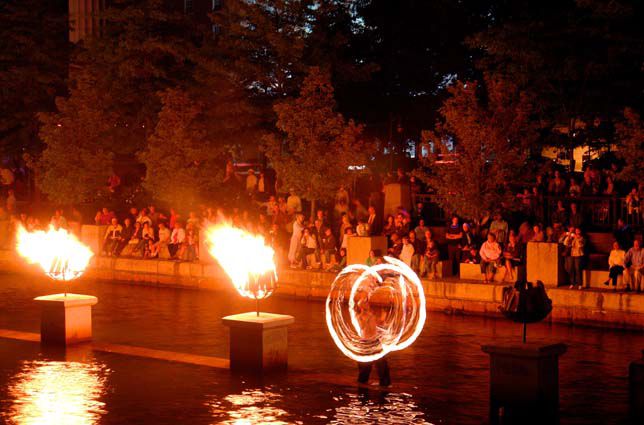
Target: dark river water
(442,378)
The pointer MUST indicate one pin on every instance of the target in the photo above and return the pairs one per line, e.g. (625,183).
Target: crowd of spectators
(496,242)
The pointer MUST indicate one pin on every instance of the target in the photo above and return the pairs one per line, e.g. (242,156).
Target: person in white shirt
(407,253)
(296,237)
(160,248)
(616,261)
(177,238)
(112,237)
(251,181)
(490,253)
(293,203)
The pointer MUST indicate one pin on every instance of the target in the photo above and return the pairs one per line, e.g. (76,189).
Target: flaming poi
(59,253)
(245,258)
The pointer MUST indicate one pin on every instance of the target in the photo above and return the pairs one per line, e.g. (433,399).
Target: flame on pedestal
(245,258)
(59,253)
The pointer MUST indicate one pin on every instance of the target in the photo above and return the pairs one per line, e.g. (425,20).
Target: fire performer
(368,320)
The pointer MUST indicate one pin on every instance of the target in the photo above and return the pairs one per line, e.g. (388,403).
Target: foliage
(183,160)
(491,127)
(33,68)
(76,162)
(630,138)
(316,145)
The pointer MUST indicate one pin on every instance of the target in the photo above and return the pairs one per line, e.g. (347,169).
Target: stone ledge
(603,308)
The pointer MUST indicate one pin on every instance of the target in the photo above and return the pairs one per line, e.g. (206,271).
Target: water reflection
(254,406)
(56,392)
(377,407)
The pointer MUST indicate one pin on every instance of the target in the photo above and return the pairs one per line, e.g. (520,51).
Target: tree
(33,68)
(630,139)
(317,145)
(76,162)
(491,128)
(183,157)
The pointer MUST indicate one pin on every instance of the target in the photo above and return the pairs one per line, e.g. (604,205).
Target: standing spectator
(577,253)
(60,222)
(634,261)
(293,203)
(296,237)
(623,234)
(421,229)
(419,213)
(633,205)
(104,217)
(419,250)
(566,240)
(11,202)
(559,215)
(499,227)
(407,252)
(490,253)
(454,234)
(144,217)
(390,226)
(557,185)
(616,261)
(575,219)
(147,239)
(537,234)
(374,222)
(574,190)
(251,182)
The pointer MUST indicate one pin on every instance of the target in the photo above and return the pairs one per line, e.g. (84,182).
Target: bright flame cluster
(372,311)
(59,253)
(245,258)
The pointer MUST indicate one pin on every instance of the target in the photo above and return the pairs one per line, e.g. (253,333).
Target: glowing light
(372,311)
(245,258)
(59,253)
(56,392)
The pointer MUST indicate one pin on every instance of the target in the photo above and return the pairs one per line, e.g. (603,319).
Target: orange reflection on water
(250,407)
(54,392)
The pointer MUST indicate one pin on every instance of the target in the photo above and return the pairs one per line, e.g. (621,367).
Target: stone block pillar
(66,318)
(258,343)
(524,383)
(545,263)
(358,248)
(92,235)
(397,195)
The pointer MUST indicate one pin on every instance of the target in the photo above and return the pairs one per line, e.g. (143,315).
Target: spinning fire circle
(372,311)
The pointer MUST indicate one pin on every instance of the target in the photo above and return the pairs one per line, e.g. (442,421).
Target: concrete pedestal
(358,248)
(524,383)
(397,195)
(545,263)
(66,318)
(258,343)
(636,387)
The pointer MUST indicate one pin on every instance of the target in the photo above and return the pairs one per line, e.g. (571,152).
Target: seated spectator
(144,217)
(634,262)
(309,249)
(419,250)
(395,246)
(467,240)
(616,261)
(512,258)
(348,233)
(177,238)
(126,234)
(430,260)
(189,250)
(160,248)
(147,239)
(329,247)
(407,251)
(371,259)
(490,253)
(472,256)
(112,238)
(133,242)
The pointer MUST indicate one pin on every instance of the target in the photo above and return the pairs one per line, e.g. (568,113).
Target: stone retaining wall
(587,307)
